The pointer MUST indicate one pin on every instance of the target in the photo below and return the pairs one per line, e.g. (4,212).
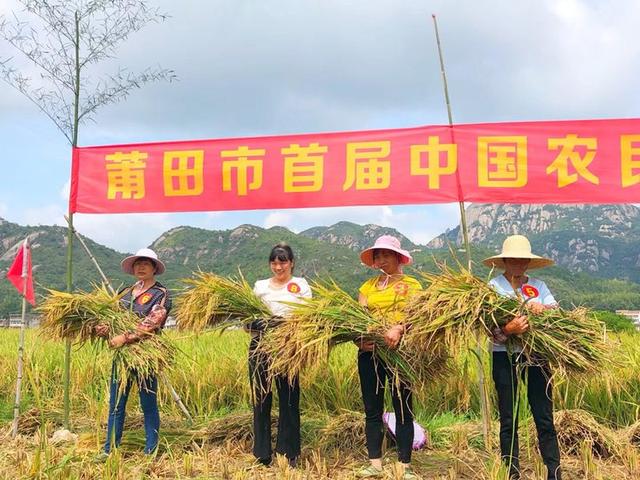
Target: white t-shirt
(533,288)
(293,291)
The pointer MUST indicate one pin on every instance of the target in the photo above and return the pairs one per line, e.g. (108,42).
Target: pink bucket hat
(386,242)
(127,263)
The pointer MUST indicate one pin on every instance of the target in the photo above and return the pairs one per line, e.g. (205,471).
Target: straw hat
(386,242)
(517,246)
(127,263)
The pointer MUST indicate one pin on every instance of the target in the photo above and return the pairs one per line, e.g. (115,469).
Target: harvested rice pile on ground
(237,427)
(75,315)
(632,434)
(456,306)
(574,427)
(30,421)
(214,301)
(340,432)
(344,431)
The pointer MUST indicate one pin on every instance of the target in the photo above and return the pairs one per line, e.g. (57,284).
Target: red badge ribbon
(530,291)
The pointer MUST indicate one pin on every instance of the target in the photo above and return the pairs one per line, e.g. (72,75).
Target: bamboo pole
(66,376)
(163,377)
(16,405)
(480,348)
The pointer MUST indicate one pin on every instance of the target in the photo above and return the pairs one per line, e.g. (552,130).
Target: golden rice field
(212,380)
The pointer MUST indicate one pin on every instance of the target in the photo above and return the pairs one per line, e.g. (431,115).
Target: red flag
(15,273)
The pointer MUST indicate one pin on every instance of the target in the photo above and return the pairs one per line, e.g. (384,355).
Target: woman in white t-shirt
(275,292)
(515,259)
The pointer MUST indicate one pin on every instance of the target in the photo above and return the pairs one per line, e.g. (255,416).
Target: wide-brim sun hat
(386,242)
(127,263)
(517,246)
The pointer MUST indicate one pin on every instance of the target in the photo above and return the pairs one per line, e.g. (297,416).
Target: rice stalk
(456,305)
(234,427)
(145,358)
(214,301)
(75,315)
(632,434)
(304,340)
(577,426)
(344,430)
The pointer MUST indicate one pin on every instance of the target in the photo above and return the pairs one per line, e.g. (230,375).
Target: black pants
(539,392)
(373,375)
(288,439)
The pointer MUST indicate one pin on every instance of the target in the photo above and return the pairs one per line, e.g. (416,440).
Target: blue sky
(257,68)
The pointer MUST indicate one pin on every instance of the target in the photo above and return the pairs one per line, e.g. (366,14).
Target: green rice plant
(214,301)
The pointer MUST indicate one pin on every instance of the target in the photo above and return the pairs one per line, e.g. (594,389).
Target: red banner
(587,161)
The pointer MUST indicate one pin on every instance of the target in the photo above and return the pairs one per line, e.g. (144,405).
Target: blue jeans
(148,388)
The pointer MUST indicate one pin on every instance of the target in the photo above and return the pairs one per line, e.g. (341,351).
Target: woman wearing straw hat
(150,301)
(385,294)
(515,259)
(275,292)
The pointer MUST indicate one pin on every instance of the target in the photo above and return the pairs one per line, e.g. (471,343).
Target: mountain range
(597,249)
(602,240)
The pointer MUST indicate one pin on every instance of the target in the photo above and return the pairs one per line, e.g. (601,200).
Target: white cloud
(125,233)
(50,214)
(65,190)
(571,11)
(419,223)
(317,66)
(279,219)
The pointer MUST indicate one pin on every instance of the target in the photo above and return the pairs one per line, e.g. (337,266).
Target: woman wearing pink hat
(150,301)
(385,295)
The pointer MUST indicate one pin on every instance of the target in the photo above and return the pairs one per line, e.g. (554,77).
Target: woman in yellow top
(385,295)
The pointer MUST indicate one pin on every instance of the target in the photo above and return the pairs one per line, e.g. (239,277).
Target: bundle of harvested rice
(457,305)
(343,431)
(75,315)
(429,360)
(303,341)
(29,422)
(632,434)
(171,439)
(215,301)
(150,356)
(574,427)
(235,427)
(460,436)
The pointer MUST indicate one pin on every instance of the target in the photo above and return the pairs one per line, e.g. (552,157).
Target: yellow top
(390,300)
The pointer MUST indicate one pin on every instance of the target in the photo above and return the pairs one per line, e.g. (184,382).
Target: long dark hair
(283,253)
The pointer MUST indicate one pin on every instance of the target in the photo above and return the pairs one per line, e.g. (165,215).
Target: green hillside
(187,249)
